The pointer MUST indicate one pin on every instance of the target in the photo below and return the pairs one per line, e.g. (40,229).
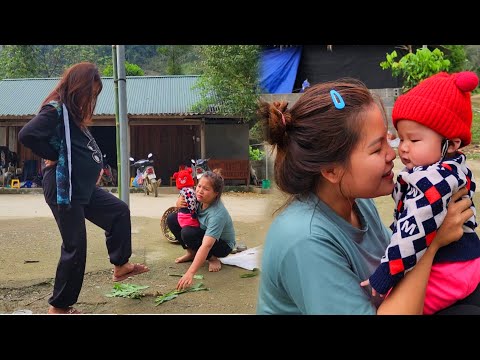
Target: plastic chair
(15,183)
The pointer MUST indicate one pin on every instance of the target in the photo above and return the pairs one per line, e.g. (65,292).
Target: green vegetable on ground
(197,277)
(254,272)
(130,291)
(174,293)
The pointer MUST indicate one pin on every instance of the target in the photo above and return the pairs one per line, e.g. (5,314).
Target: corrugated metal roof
(146,95)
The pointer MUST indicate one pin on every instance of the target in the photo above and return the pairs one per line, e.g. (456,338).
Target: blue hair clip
(337,99)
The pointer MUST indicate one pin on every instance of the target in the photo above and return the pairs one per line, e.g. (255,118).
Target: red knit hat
(442,103)
(184,178)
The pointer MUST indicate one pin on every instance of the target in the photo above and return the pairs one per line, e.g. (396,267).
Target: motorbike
(109,176)
(199,166)
(253,176)
(8,165)
(146,175)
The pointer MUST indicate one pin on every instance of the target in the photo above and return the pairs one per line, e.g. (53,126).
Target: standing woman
(332,159)
(214,238)
(59,134)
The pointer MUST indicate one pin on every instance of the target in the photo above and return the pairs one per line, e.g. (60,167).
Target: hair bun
(466,81)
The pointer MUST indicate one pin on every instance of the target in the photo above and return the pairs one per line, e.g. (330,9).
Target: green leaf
(415,67)
(198,277)
(254,272)
(169,296)
(174,293)
(130,291)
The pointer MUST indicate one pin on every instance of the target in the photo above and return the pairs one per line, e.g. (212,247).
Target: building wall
(320,63)
(226,141)
(3,136)
(388,96)
(170,145)
(12,138)
(290,98)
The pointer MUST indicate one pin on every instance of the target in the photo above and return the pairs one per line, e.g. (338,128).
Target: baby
(433,121)
(187,216)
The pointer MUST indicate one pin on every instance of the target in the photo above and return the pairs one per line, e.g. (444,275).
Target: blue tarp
(278,69)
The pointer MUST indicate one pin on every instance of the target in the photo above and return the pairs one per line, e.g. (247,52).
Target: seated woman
(214,238)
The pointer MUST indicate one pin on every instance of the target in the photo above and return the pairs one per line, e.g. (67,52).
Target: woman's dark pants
(104,210)
(192,237)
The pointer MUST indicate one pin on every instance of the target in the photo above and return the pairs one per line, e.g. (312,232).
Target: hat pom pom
(466,81)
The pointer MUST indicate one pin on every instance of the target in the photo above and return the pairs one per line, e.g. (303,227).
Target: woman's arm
(408,240)
(408,296)
(38,131)
(181,203)
(200,257)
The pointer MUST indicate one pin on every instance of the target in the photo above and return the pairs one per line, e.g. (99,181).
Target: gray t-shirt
(217,222)
(313,260)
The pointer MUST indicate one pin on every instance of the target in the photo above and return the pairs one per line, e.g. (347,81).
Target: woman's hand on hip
(50,162)
(100,177)
(458,212)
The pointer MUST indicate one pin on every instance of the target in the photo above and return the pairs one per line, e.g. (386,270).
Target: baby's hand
(367,283)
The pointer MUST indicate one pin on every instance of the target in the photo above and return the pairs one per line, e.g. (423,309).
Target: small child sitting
(187,216)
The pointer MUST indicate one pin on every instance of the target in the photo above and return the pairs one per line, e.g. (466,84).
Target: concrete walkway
(242,206)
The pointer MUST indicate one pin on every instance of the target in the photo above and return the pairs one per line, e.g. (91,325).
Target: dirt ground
(30,243)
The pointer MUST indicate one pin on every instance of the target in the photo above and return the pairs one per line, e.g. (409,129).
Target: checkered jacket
(421,196)
(188,194)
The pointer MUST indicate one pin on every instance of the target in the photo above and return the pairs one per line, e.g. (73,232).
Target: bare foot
(214,264)
(189,256)
(65,311)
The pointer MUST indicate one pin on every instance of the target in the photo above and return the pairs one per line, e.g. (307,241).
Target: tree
(457,56)
(139,54)
(54,59)
(414,68)
(130,70)
(473,58)
(19,61)
(230,81)
(175,58)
